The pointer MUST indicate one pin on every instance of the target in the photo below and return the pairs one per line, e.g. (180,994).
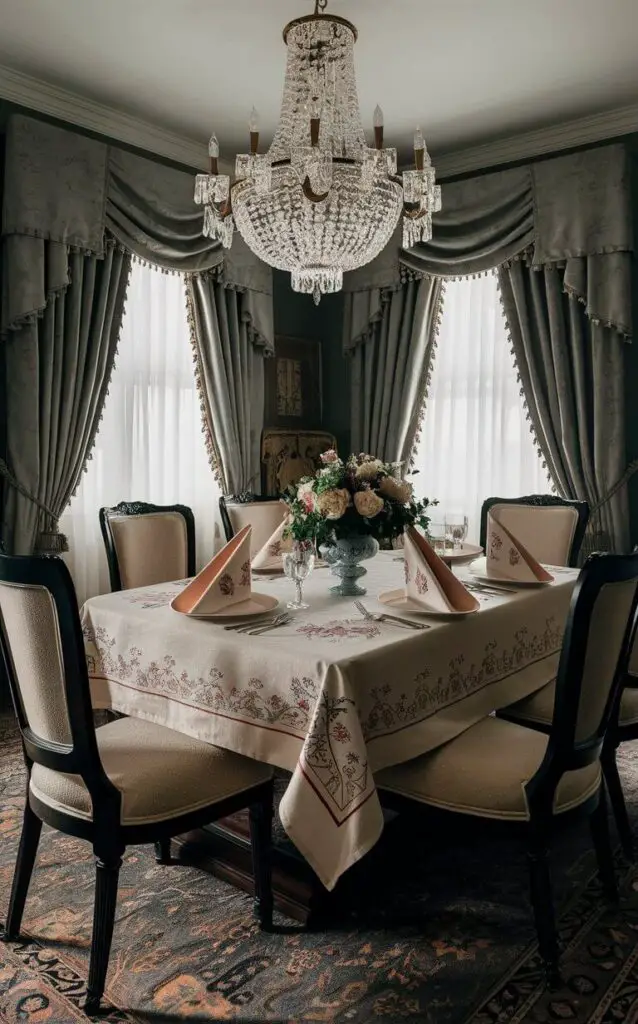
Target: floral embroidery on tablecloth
(332,757)
(153,598)
(211,693)
(340,629)
(392,707)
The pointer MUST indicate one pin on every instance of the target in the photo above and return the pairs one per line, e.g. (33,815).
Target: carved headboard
(287,455)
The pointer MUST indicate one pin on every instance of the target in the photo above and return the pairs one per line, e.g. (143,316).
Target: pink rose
(308,500)
(329,456)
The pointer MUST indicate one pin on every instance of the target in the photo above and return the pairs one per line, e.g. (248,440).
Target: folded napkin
(224,582)
(269,557)
(507,559)
(429,582)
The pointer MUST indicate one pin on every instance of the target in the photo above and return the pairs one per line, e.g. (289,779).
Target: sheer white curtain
(475,441)
(150,446)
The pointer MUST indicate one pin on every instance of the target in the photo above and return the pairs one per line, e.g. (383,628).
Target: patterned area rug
(433,927)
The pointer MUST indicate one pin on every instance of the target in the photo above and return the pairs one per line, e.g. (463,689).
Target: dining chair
(147,544)
(536,712)
(503,771)
(551,528)
(128,782)
(264,515)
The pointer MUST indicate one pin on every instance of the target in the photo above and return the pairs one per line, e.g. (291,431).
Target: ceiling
(467,71)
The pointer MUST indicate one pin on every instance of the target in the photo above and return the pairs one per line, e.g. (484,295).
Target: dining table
(331,696)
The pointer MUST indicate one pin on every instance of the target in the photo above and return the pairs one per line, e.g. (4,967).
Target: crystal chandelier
(320,201)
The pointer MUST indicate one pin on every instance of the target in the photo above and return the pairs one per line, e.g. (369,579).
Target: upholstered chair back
(263,516)
(596,647)
(31,639)
(43,651)
(550,528)
(147,544)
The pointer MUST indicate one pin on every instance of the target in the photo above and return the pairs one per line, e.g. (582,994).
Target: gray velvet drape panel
(58,367)
(229,354)
(572,373)
(390,368)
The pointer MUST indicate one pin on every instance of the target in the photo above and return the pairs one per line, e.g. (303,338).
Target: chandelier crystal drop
(320,201)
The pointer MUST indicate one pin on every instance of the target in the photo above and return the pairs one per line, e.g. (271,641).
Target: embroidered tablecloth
(331,697)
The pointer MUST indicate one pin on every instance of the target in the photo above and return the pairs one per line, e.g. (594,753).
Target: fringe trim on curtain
(212,451)
(519,379)
(437,319)
(96,430)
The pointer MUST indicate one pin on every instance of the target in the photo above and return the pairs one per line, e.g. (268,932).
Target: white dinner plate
(397,600)
(251,609)
(479,572)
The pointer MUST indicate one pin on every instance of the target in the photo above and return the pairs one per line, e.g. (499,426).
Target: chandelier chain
(320,5)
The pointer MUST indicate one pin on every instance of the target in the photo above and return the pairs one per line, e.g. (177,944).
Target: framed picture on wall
(293,384)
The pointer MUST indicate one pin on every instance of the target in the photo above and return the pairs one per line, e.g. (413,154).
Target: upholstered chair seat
(136,755)
(483,772)
(538,709)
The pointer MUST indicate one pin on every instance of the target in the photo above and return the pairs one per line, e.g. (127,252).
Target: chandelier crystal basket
(320,201)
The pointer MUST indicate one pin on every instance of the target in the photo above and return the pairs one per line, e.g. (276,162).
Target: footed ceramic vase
(344,556)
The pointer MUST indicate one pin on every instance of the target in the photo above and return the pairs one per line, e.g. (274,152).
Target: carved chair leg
(163,851)
(599,827)
(107,872)
(27,850)
(618,805)
(261,842)
(543,904)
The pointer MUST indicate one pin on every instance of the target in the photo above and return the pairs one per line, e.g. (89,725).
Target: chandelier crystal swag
(320,201)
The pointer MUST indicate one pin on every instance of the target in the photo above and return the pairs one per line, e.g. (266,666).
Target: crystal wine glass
(456,526)
(298,564)
(436,536)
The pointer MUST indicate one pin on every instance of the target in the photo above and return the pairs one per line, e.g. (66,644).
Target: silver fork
(279,620)
(408,623)
(246,627)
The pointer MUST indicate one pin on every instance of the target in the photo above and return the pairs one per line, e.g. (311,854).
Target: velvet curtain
(390,364)
(572,373)
(229,345)
(58,366)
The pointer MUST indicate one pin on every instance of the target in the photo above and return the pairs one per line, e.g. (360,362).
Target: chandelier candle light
(320,201)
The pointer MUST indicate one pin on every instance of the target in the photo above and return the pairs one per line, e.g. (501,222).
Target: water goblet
(456,526)
(436,536)
(298,564)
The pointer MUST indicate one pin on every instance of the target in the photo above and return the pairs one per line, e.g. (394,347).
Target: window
(475,439)
(150,445)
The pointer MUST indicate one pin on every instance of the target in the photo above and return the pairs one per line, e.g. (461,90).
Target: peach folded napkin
(225,583)
(429,582)
(269,557)
(507,559)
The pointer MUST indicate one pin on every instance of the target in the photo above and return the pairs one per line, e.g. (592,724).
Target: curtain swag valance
(572,211)
(64,192)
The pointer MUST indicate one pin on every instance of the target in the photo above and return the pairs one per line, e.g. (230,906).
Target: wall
(296,316)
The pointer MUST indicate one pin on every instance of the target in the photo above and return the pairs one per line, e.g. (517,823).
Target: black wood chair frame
(108,836)
(565,754)
(142,508)
(246,498)
(543,501)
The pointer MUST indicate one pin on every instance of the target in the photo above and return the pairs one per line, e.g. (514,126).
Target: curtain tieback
(48,541)
(624,479)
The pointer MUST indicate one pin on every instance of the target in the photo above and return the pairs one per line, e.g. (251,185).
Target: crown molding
(524,146)
(36,95)
(25,91)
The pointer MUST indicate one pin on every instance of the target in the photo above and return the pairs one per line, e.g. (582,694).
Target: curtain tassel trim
(212,451)
(422,401)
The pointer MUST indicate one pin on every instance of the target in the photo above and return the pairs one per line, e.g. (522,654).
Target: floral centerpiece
(350,506)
